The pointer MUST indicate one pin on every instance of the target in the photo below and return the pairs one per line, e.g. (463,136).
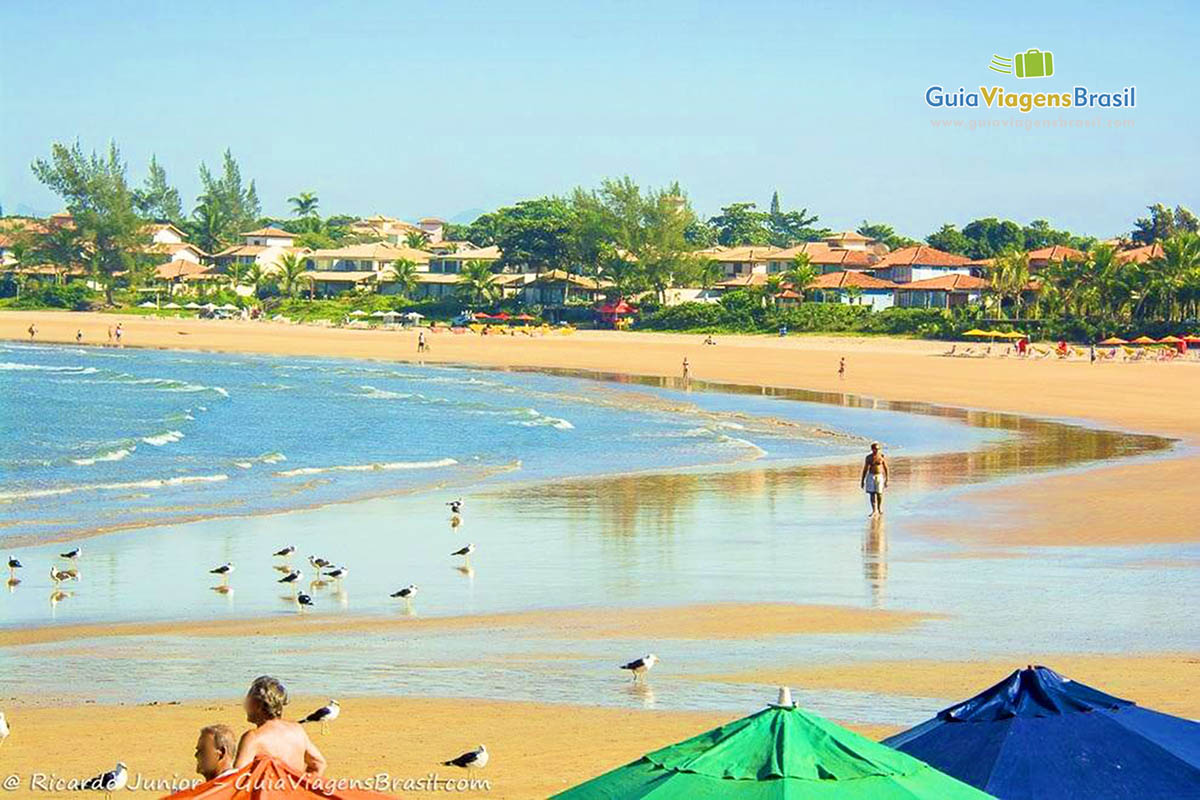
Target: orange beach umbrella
(1114,340)
(1170,340)
(1144,340)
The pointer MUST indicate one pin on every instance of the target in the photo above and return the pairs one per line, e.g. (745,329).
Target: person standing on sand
(422,346)
(874,478)
(274,737)
(78,335)
(32,331)
(842,369)
(687,370)
(117,332)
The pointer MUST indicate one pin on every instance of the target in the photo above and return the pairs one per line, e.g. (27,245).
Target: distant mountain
(467,217)
(24,210)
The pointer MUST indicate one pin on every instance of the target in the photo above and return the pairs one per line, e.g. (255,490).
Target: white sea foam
(537,419)
(17,366)
(243,464)
(272,458)
(111,455)
(382,394)
(152,483)
(373,467)
(160,439)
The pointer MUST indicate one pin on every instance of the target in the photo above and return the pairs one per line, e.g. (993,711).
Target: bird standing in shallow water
(223,571)
(640,666)
(71,555)
(304,601)
(465,552)
(285,552)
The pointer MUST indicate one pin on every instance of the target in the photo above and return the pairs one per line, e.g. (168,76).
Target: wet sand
(1146,397)
(719,621)
(1163,681)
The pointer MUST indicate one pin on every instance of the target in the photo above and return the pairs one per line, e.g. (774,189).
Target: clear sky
(439,108)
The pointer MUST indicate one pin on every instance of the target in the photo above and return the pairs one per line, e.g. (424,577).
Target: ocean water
(580,491)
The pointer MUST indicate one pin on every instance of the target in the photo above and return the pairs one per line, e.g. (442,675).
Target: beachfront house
(557,287)
(182,275)
(822,257)
(451,263)
(853,288)
(1057,253)
(263,247)
(919,263)
(360,267)
(951,290)
(737,261)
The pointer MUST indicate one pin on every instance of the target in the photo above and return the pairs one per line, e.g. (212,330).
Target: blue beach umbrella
(1039,735)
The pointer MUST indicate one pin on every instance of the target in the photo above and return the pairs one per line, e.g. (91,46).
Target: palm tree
(256,277)
(478,283)
(403,273)
(1010,276)
(291,273)
(304,204)
(211,224)
(1170,274)
(60,248)
(801,274)
(237,271)
(416,240)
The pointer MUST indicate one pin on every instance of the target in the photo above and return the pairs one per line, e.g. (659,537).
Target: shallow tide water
(581,491)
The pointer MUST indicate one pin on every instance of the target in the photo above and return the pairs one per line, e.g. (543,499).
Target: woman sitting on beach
(274,737)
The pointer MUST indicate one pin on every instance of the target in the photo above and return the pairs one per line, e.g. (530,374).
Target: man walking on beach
(874,478)
(842,369)
(421,345)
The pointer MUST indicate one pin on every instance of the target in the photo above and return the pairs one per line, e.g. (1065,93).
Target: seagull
(465,552)
(4,729)
(324,715)
(304,600)
(291,577)
(477,758)
(285,552)
(223,571)
(337,573)
(13,566)
(455,506)
(319,563)
(640,666)
(109,782)
(406,593)
(60,575)
(71,554)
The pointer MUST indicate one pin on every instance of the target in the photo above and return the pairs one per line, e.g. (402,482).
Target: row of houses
(850,267)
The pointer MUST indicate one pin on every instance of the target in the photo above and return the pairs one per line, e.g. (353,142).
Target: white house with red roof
(854,288)
(918,263)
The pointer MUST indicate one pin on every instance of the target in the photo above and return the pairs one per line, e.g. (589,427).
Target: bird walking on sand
(640,666)
(108,782)
(223,571)
(4,729)
(472,759)
(71,555)
(285,552)
(304,601)
(324,715)
(465,552)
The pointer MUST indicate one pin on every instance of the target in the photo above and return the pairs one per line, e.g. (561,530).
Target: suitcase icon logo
(1033,63)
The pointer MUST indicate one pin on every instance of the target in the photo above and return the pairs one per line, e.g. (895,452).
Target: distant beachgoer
(215,750)
(273,736)
(118,332)
(710,340)
(78,335)
(110,334)
(422,345)
(687,369)
(874,478)
(32,331)
(842,368)
(1092,353)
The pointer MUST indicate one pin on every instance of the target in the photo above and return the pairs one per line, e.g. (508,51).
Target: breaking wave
(372,467)
(153,483)
(158,440)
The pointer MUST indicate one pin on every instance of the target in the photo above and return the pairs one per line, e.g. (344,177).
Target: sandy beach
(1143,502)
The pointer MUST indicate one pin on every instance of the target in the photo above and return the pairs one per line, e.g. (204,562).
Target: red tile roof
(953,282)
(822,254)
(278,233)
(922,256)
(179,269)
(842,280)
(1140,255)
(1057,252)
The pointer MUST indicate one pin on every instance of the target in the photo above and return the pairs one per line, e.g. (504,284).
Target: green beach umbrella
(780,753)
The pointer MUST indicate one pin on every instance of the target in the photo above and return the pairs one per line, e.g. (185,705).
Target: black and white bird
(465,552)
(473,759)
(285,552)
(324,715)
(71,555)
(4,729)
(112,781)
(305,601)
(223,571)
(337,573)
(640,666)
(13,566)
(455,506)
(291,577)
(407,593)
(319,563)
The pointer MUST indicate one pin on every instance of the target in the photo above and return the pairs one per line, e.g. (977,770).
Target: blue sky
(416,109)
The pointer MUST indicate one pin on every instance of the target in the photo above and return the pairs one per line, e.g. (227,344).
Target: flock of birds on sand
(117,778)
(58,575)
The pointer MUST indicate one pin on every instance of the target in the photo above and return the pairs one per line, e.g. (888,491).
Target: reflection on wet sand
(875,565)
